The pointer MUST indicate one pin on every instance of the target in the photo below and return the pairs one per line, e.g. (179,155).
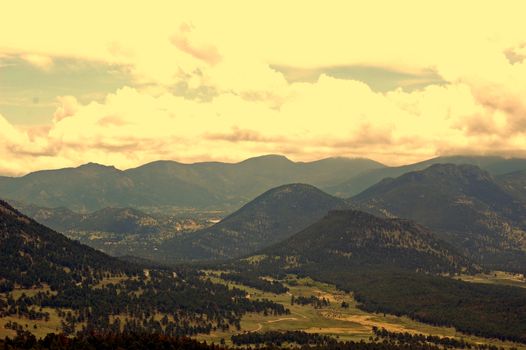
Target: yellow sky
(233,79)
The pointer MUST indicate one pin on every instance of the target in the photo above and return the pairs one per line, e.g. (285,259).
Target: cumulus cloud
(68,105)
(331,117)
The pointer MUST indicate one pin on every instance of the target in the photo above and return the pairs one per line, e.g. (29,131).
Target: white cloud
(224,57)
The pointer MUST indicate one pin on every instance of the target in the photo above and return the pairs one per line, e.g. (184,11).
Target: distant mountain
(463,204)
(120,220)
(351,239)
(360,182)
(115,220)
(31,254)
(215,185)
(270,218)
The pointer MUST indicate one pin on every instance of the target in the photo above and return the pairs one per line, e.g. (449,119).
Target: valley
(268,175)
(434,253)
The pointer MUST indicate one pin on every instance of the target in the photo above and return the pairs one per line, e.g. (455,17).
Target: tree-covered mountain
(115,220)
(351,239)
(463,204)
(32,254)
(270,218)
(493,164)
(168,183)
(106,295)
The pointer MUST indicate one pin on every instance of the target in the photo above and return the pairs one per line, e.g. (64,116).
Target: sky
(124,83)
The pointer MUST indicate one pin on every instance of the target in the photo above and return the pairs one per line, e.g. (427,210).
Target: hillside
(360,182)
(514,183)
(351,239)
(115,220)
(270,218)
(32,254)
(92,187)
(42,273)
(462,204)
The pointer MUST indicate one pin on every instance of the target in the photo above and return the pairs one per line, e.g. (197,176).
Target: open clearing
(497,277)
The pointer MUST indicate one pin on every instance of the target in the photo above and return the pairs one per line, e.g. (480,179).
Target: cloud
(331,117)
(208,86)
(204,52)
(68,105)
(40,61)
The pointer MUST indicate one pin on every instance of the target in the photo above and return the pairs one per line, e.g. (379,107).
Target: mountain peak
(267,158)
(271,217)
(351,238)
(96,166)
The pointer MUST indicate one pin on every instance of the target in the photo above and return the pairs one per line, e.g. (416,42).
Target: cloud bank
(205,87)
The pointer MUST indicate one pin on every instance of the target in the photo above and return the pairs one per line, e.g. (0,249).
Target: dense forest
(254,281)
(295,340)
(33,254)
(480,309)
(381,338)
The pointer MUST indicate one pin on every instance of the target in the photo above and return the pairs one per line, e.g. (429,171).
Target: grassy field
(344,323)
(38,327)
(497,277)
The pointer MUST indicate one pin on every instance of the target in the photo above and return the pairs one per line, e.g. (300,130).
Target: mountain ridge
(495,165)
(463,204)
(202,185)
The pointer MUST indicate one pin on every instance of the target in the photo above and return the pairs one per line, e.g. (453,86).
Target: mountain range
(214,185)
(494,165)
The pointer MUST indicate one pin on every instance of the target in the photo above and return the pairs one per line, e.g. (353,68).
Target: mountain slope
(360,182)
(514,183)
(168,183)
(270,218)
(32,254)
(115,220)
(351,239)
(461,203)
